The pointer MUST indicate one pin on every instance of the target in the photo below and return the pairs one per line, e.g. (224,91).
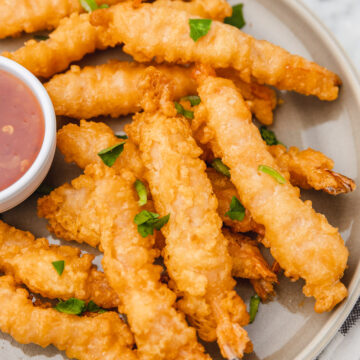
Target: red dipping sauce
(22,128)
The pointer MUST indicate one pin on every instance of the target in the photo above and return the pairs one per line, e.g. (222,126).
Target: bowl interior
(286,328)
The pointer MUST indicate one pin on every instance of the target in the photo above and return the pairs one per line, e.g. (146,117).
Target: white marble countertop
(342,17)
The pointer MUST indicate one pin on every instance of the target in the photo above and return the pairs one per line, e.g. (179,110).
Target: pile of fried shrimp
(192,181)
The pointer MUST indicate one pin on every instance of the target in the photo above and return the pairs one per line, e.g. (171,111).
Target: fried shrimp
(112,89)
(196,253)
(75,37)
(100,337)
(301,240)
(223,47)
(110,201)
(29,261)
(310,169)
(17,16)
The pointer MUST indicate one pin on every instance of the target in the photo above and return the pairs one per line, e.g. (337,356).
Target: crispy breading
(225,191)
(111,89)
(301,240)
(110,200)
(29,261)
(261,99)
(310,169)
(100,337)
(196,253)
(17,16)
(75,37)
(224,46)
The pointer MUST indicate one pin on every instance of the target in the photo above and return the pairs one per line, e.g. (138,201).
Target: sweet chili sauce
(22,129)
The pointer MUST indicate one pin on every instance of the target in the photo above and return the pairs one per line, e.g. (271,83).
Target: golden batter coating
(17,16)
(29,261)
(75,37)
(100,337)
(111,89)
(223,47)
(196,253)
(301,240)
(109,200)
(310,169)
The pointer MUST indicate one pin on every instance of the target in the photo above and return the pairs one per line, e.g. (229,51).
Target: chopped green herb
(92,307)
(59,266)
(237,17)
(72,306)
(220,167)
(141,190)
(193,99)
(124,137)
(91,5)
(41,37)
(254,306)
(270,171)
(199,28)
(237,210)
(148,221)
(44,189)
(269,136)
(180,109)
(109,155)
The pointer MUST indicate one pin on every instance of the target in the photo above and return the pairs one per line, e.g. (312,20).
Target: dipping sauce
(22,129)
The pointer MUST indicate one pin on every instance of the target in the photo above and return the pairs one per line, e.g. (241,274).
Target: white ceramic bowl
(30,181)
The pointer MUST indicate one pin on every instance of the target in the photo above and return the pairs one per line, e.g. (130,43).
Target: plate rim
(331,327)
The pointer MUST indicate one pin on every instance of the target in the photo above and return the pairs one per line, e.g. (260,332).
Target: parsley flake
(124,137)
(91,5)
(109,155)
(193,99)
(220,167)
(254,306)
(41,37)
(59,266)
(269,136)
(72,306)
(237,17)
(181,110)
(270,171)
(237,210)
(148,221)
(199,28)
(141,190)
(94,308)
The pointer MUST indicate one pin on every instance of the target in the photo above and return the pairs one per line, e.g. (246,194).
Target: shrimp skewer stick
(110,202)
(223,47)
(196,253)
(301,240)
(17,16)
(112,89)
(74,38)
(29,261)
(81,337)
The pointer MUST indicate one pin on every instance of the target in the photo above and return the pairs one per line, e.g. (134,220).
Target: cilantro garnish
(148,221)
(91,5)
(109,155)
(220,167)
(254,306)
(181,110)
(141,190)
(270,171)
(193,99)
(237,17)
(72,306)
(59,266)
(237,210)
(199,28)
(269,136)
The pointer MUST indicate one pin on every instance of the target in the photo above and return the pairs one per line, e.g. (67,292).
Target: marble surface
(342,17)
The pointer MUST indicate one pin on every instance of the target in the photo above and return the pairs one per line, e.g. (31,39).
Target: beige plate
(287,328)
